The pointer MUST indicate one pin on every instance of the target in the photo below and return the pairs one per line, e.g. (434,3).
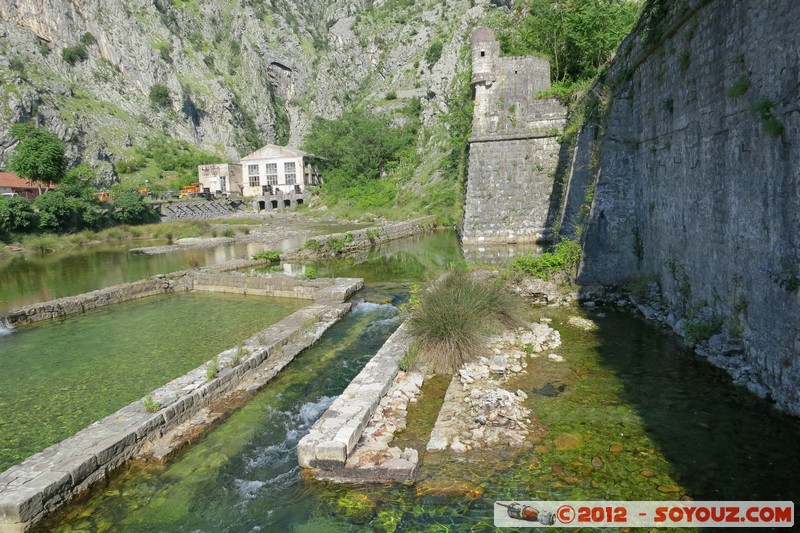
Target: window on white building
(272,173)
(252,174)
(290,173)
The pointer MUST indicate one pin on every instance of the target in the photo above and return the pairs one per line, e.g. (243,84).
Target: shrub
(447,323)
(73,54)
(87,39)
(391,95)
(267,255)
(312,244)
(702,330)
(335,244)
(159,96)
(309,273)
(16,215)
(563,259)
(772,125)
(373,234)
(739,87)
(434,53)
(132,209)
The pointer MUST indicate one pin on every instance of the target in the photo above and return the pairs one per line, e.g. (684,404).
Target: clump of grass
(240,353)
(448,321)
(41,243)
(228,232)
(739,87)
(309,273)
(267,255)
(212,369)
(312,244)
(563,259)
(150,405)
(407,362)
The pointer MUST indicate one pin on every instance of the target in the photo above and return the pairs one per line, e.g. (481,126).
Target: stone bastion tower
(513,149)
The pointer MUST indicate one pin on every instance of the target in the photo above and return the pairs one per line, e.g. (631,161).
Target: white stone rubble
(477,411)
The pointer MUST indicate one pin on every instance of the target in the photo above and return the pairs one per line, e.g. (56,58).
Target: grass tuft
(449,320)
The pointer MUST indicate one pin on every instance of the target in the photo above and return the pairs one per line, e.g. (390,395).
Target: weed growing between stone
(212,369)
(449,319)
(150,405)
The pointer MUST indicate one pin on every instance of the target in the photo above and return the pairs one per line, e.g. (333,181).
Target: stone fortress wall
(513,147)
(696,173)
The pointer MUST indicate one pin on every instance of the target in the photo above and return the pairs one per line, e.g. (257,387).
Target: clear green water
(640,418)
(58,377)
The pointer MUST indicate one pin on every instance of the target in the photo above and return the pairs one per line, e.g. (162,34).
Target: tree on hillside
(576,36)
(39,156)
(79,181)
(357,145)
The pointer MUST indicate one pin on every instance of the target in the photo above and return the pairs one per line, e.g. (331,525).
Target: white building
(277,169)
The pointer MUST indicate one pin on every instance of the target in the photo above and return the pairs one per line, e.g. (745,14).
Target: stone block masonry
(698,184)
(514,148)
(47,480)
(334,436)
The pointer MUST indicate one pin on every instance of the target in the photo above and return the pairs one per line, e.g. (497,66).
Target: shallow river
(639,417)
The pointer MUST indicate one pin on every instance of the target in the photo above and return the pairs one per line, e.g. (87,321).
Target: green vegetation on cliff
(576,36)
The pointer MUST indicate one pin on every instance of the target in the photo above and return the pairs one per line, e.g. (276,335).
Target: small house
(11,184)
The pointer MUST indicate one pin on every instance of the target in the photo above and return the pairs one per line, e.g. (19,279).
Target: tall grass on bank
(451,321)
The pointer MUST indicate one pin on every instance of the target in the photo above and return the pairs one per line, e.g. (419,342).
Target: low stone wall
(45,481)
(85,302)
(334,436)
(277,284)
(198,210)
(360,240)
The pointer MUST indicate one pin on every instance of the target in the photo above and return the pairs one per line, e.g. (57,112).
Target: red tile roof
(9,179)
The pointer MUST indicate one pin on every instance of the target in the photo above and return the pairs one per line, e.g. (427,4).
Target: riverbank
(228,228)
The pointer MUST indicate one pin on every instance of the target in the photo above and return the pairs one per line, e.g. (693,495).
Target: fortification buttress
(513,147)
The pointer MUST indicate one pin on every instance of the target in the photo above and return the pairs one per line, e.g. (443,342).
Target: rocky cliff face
(698,184)
(238,72)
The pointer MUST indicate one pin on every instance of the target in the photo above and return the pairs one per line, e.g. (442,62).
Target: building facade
(277,169)
(221,178)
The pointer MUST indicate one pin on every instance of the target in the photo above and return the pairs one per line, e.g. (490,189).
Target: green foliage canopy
(354,152)
(39,155)
(132,209)
(576,36)
(16,216)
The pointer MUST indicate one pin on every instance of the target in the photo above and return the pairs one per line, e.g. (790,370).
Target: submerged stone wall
(360,240)
(698,184)
(514,148)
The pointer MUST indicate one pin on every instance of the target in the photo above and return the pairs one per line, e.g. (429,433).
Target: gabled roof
(9,179)
(273,151)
